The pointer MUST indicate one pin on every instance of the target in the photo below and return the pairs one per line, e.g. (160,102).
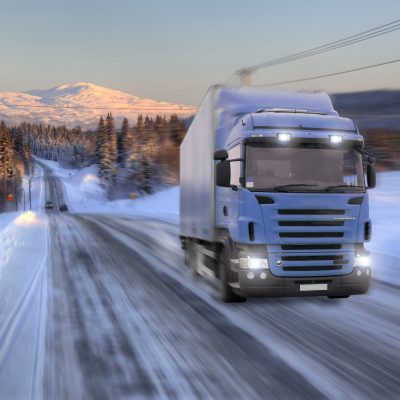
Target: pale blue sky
(174,49)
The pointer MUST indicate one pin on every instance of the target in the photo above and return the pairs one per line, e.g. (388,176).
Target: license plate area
(312,287)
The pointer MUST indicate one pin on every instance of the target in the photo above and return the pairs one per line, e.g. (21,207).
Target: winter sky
(173,50)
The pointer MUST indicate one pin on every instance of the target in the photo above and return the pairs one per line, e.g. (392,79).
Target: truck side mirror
(220,155)
(371,176)
(224,174)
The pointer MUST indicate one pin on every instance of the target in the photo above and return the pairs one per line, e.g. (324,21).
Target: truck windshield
(294,169)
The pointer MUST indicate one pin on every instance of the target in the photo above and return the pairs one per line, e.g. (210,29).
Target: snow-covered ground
(385,214)
(23,256)
(84,194)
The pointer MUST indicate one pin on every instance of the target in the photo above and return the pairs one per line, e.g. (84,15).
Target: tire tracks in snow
(335,360)
(247,354)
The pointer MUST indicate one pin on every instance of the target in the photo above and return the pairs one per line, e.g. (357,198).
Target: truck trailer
(273,195)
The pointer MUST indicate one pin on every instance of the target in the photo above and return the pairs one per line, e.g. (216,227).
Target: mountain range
(81,104)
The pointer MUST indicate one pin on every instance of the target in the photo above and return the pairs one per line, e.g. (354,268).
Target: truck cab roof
(248,111)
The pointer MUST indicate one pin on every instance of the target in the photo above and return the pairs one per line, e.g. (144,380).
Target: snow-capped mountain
(81,104)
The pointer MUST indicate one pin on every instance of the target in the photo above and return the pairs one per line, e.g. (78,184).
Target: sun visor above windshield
(302,122)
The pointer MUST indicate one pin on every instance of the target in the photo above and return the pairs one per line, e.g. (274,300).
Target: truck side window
(234,152)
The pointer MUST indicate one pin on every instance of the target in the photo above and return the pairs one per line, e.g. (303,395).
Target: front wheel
(226,292)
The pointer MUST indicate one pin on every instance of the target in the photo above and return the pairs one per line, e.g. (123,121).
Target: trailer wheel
(226,292)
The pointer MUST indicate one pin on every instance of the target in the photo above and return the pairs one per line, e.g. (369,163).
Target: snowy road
(118,326)
(125,319)
(122,311)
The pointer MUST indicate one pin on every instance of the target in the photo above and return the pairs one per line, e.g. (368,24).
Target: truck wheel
(226,292)
(339,297)
(192,257)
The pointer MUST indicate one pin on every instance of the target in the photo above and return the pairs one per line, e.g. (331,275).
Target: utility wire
(347,41)
(331,74)
(330,48)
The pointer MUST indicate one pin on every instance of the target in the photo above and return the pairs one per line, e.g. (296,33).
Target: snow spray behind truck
(273,195)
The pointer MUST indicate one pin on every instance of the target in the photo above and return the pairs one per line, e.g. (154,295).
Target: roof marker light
(284,137)
(336,139)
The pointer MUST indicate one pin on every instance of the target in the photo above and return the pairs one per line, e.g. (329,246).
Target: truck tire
(192,257)
(226,292)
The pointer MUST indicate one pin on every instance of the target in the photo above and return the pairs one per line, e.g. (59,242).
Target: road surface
(125,319)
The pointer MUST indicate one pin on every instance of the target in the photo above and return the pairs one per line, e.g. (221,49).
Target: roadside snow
(84,194)
(23,257)
(7,218)
(385,216)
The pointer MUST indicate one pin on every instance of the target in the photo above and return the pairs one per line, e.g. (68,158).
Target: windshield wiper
(284,187)
(333,188)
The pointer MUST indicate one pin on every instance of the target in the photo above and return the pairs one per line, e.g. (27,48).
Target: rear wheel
(339,297)
(226,292)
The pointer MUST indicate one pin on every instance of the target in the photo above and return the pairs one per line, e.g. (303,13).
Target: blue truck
(274,195)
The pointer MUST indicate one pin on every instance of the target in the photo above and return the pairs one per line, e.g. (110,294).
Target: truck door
(227,198)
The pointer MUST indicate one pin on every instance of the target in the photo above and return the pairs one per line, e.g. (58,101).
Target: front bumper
(276,286)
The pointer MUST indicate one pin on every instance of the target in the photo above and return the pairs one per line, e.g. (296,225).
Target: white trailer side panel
(197,176)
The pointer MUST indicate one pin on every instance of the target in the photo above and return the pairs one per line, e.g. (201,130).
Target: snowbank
(385,214)
(23,257)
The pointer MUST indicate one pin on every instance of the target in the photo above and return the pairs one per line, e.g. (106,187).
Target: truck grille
(324,234)
(300,247)
(310,234)
(310,212)
(311,223)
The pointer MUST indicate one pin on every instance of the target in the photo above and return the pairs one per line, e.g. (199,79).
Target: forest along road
(126,320)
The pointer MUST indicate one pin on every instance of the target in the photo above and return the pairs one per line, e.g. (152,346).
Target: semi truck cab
(289,212)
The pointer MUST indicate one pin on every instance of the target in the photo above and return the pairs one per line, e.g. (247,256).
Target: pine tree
(111,136)
(177,129)
(103,153)
(8,169)
(125,143)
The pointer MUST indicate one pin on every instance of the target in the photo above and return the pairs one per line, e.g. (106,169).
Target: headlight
(336,139)
(254,263)
(362,261)
(284,137)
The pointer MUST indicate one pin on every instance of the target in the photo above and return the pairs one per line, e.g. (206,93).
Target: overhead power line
(246,72)
(366,35)
(326,49)
(331,74)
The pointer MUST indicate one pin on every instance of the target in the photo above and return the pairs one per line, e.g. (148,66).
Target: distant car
(49,204)
(63,207)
